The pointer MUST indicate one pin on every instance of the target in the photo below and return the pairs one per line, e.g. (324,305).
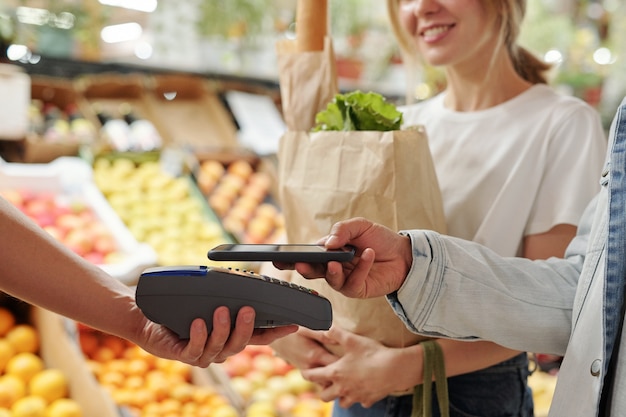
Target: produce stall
(134,163)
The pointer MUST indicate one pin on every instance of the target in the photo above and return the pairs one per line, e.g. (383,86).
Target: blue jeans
(498,391)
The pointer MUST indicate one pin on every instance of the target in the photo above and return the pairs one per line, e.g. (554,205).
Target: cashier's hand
(203,349)
(379,267)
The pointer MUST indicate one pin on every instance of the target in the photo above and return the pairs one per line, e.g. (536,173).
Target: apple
(240,168)
(54,231)
(13,196)
(104,244)
(70,221)
(45,219)
(259,229)
(96,258)
(263,363)
(281,366)
(285,402)
(239,364)
(297,383)
(256,377)
(78,241)
(242,386)
(36,207)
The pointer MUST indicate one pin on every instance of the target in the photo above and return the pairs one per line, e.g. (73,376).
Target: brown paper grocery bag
(387,177)
(308,82)
(306,66)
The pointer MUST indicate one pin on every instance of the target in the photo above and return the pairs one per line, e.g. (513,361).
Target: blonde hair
(508,14)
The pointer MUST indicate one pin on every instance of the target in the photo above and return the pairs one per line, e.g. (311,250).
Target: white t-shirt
(515,169)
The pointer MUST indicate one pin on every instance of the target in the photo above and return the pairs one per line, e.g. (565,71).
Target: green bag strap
(422,394)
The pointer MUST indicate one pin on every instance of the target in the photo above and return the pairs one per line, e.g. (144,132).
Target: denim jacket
(569,306)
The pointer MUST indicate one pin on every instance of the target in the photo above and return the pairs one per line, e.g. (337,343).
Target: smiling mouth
(436,31)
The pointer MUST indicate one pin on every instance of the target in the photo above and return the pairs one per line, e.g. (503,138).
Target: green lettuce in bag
(358,111)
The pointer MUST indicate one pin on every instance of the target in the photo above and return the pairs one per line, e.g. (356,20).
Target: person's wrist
(406,256)
(411,361)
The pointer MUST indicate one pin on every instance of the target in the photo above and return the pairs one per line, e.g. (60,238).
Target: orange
(24,365)
(50,384)
(6,352)
(116,345)
(10,392)
(88,342)
(29,406)
(17,385)
(7,320)
(183,392)
(103,354)
(23,338)
(226,410)
(64,407)
(137,367)
(5,412)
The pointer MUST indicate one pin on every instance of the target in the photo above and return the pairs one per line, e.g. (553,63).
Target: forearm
(37,269)
(449,278)
(465,357)
(460,358)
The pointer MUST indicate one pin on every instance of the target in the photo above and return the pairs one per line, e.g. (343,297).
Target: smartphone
(289,253)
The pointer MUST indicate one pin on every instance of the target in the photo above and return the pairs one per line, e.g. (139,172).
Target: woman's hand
(305,349)
(367,372)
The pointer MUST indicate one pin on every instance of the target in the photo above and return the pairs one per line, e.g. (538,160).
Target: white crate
(71,177)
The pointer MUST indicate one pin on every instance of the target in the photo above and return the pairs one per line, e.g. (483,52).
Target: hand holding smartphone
(287,253)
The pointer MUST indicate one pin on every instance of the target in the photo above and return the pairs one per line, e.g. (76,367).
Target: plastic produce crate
(70,179)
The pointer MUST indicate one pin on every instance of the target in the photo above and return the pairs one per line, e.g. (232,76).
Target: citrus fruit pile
(27,387)
(146,385)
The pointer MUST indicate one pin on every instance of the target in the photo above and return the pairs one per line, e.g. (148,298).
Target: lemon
(24,365)
(23,338)
(64,407)
(6,353)
(29,406)
(7,320)
(50,384)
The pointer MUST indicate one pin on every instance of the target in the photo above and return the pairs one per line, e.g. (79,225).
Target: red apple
(281,366)
(239,364)
(264,363)
(36,207)
(70,221)
(12,196)
(78,241)
(45,219)
(104,244)
(94,257)
(54,231)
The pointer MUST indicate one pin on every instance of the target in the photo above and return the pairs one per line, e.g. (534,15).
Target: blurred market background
(237,38)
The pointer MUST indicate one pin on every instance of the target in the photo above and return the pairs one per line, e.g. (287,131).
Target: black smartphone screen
(290,253)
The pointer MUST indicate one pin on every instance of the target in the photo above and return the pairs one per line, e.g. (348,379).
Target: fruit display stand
(240,192)
(39,371)
(270,387)
(60,131)
(62,198)
(60,351)
(143,385)
(190,114)
(161,209)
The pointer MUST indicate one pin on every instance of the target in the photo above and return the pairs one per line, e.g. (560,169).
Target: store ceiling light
(40,17)
(147,6)
(603,56)
(121,33)
(143,50)
(553,56)
(17,52)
